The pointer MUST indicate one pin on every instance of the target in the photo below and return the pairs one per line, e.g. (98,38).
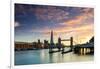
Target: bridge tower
(59,44)
(71,43)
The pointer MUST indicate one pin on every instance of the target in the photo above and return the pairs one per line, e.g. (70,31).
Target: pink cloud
(80,19)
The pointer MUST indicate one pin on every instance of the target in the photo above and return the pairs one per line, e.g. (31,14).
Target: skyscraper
(51,41)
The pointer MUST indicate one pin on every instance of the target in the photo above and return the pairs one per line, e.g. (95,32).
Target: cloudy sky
(33,22)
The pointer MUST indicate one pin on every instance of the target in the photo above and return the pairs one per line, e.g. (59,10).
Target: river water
(43,57)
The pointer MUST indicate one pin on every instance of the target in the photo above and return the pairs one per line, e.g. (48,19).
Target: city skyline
(33,22)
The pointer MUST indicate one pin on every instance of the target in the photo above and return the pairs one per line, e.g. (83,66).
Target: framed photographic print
(46,34)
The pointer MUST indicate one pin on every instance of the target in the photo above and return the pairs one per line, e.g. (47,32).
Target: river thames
(43,57)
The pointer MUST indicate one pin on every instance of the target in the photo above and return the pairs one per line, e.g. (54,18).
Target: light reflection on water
(43,57)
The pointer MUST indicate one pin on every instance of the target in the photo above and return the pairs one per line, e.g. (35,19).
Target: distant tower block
(39,41)
(51,42)
(45,44)
(39,44)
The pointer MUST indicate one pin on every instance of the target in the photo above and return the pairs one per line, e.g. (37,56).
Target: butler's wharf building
(29,46)
(23,46)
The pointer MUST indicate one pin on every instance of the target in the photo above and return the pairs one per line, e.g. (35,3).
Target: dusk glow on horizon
(33,22)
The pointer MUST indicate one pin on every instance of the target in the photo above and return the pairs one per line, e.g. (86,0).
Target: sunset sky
(33,22)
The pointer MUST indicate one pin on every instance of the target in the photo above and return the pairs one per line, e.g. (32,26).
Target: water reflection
(84,51)
(43,57)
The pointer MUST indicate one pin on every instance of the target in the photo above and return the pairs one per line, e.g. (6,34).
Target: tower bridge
(60,46)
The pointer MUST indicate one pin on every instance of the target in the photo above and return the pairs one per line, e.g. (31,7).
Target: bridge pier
(83,50)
